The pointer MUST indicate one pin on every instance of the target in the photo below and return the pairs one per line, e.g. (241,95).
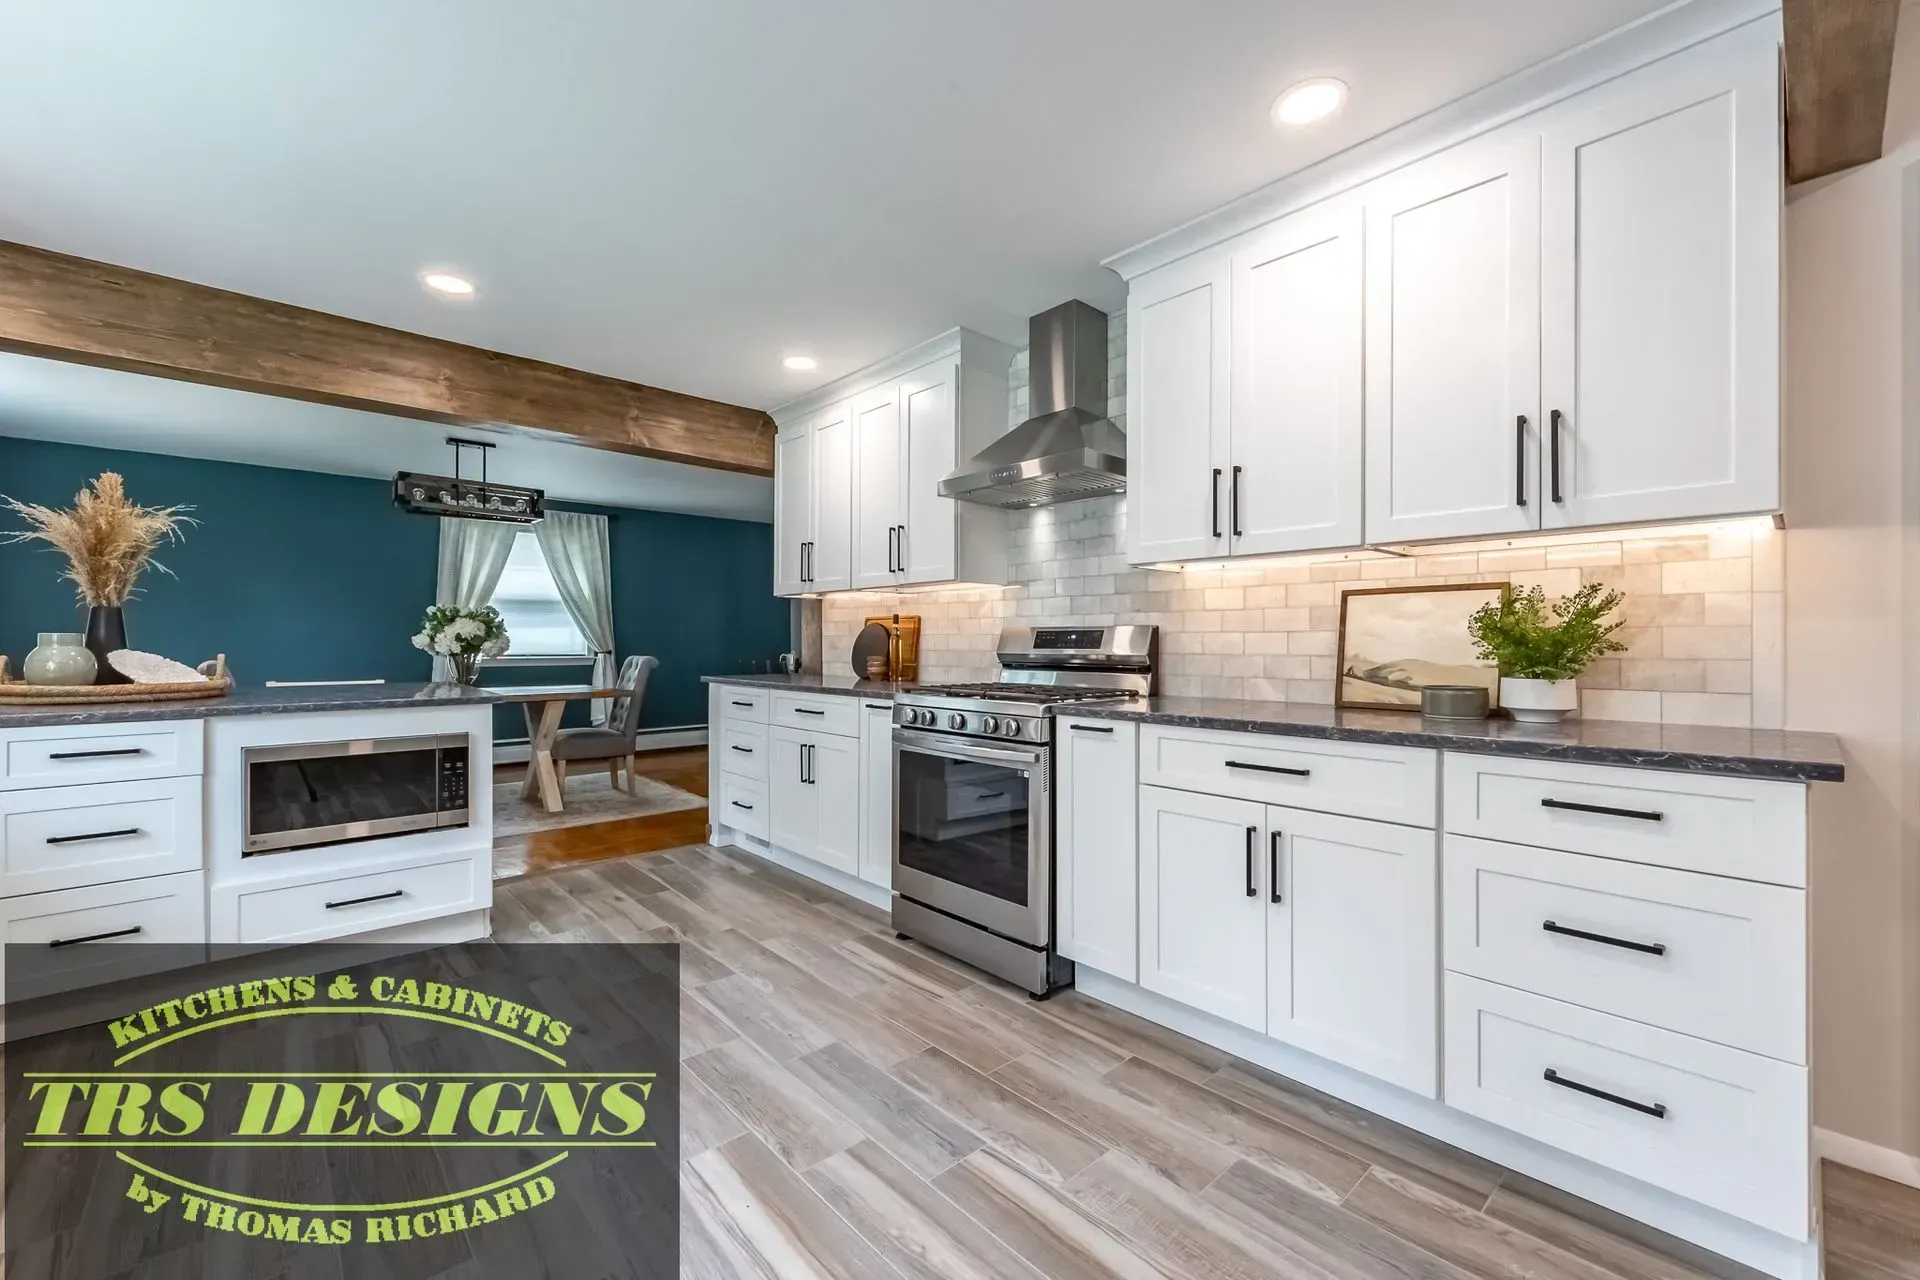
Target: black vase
(106,631)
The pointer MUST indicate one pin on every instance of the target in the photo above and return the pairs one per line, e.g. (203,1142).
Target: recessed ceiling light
(800,364)
(447,284)
(1308,101)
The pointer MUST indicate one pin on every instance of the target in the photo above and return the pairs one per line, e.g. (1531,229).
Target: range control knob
(929,718)
(955,720)
(991,724)
(1010,727)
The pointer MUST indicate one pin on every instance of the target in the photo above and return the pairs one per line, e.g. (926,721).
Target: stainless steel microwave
(312,794)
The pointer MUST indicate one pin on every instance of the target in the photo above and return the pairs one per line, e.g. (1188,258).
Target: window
(537,622)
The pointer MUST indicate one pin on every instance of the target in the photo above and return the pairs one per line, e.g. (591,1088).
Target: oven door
(972,831)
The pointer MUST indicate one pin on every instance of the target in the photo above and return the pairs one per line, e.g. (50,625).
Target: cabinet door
(1295,477)
(876,503)
(1353,968)
(794,823)
(1203,920)
(835,767)
(792,508)
(926,548)
(876,793)
(830,564)
(1453,344)
(1660,258)
(1096,863)
(1177,411)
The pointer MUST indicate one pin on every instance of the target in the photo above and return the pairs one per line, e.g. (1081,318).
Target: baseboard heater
(665,738)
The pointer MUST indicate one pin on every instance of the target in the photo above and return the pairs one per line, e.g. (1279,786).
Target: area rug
(589,797)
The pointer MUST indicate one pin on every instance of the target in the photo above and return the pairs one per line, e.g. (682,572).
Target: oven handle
(959,749)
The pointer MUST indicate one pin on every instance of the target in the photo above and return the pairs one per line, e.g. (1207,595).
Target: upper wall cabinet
(1178,373)
(876,455)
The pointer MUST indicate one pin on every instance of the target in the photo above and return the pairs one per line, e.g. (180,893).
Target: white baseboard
(872,894)
(516,750)
(1857,1153)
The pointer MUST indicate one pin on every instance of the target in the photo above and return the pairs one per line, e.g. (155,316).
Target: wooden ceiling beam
(94,313)
(1839,63)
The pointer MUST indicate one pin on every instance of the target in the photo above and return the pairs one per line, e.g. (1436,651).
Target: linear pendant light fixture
(466,499)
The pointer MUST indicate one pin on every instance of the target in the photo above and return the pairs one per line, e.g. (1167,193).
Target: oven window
(965,822)
(305,801)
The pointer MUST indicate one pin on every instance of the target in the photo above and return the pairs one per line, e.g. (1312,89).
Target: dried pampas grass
(108,541)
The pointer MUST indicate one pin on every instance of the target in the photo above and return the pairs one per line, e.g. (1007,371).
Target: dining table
(543,705)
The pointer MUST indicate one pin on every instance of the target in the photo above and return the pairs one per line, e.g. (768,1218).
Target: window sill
(535,660)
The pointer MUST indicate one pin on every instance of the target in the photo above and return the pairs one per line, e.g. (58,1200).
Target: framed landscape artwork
(1395,641)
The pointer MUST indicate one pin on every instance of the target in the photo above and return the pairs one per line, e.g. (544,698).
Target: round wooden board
(21,694)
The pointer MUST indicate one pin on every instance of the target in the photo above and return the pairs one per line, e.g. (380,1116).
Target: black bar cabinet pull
(1520,461)
(1270,768)
(1658,1110)
(1216,502)
(1273,867)
(808,711)
(1553,447)
(902,545)
(372,897)
(1253,890)
(745,751)
(738,805)
(1648,948)
(738,703)
(892,531)
(1644,815)
(879,706)
(94,835)
(1091,728)
(95,937)
(991,795)
(1233,503)
(96,755)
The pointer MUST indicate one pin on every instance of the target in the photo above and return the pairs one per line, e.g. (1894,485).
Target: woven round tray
(18,693)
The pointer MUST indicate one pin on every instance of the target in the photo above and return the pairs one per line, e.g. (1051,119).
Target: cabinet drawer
(65,837)
(1723,1127)
(356,904)
(73,938)
(1725,826)
(742,749)
(1706,956)
(1358,779)
(64,755)
(838,716)
(742,805)
(737,702)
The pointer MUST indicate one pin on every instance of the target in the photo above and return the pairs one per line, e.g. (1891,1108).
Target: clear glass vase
(466,667)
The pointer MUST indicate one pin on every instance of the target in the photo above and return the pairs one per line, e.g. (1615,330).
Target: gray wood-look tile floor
(856,1106)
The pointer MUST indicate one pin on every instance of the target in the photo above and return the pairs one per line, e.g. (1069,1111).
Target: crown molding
(968,346)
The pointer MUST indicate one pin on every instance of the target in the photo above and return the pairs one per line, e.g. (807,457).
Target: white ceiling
(681,193)
(76,404)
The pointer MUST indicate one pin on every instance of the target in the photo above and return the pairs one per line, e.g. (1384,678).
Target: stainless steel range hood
(1069,449)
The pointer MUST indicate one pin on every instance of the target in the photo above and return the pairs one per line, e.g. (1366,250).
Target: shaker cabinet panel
(1178,394)
(834,768)
(876,798)
(830,562)
(926,546)
(792,509)
(876,504)
(1097,867)
(1203,924)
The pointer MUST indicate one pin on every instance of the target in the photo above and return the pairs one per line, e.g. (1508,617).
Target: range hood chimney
(1069,449)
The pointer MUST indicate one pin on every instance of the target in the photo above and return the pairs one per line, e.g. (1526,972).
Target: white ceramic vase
(61,658)
(1539,701)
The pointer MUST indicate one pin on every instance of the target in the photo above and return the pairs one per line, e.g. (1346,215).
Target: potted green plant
(1540,649)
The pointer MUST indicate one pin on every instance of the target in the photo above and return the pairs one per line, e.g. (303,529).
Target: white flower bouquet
(463,637)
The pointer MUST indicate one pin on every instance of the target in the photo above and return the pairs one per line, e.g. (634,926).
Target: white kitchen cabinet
(830,559)
(1295,435)
(814,793)
(876,487)
(1660,263)
(1353,970)
(1453,343)
(876,793)
(1203,922)
(794,822)
(792,508)
(1179,397)
(927,547)
(1096,860)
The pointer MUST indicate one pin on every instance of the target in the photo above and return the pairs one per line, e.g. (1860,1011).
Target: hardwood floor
(858,1106)
(540,851)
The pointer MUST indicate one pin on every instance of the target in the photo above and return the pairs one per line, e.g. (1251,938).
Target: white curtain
(473,554)
(581,561)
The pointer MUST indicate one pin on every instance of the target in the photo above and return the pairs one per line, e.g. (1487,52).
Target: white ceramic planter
(1539,701)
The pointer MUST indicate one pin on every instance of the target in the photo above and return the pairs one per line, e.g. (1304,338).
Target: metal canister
(1455,701)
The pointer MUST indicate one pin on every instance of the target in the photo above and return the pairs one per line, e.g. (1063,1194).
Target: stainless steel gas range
(973,796)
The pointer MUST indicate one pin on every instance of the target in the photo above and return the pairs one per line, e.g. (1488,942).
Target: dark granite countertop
(255,701)
(843,686)
(1749,753)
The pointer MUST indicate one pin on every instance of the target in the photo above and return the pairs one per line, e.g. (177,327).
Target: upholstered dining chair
(613,741)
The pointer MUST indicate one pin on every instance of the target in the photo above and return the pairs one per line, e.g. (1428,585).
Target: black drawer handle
(1649,948)
(745,751)
(1091,728)
(372,897)
(1273,868)
(991,795)
(808,711)
(94,835)
(743,704)
(96,755)
(1269,768)
(879,706)
(736,804)
(95,937)
(1253,890)
(1658,1110)
(1644,815)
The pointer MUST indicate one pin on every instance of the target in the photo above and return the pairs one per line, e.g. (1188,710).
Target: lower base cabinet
(1097,862)
(813,788)
(876,794)
(1315,929)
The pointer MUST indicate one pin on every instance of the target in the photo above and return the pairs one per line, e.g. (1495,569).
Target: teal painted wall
(296,575)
